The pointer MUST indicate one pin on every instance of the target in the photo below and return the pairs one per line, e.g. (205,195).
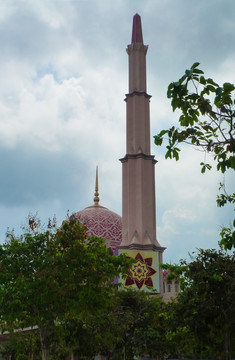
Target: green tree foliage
(207,122)
(22,357)
(133,326)
(203,321)
(19,344)
(48,277)
(199,323)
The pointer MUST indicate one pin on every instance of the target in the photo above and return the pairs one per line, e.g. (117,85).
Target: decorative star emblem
(141,272)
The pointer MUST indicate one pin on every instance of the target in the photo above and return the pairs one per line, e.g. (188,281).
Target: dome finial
(96,197)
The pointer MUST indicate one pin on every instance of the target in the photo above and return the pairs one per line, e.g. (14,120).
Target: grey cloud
(30,178)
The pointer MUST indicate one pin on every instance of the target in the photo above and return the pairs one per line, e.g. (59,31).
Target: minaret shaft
(139,223)
(137,66)
(137,123)
(139,214)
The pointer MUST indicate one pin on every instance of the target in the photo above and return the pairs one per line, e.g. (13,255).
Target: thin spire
(137,35)
(96,197)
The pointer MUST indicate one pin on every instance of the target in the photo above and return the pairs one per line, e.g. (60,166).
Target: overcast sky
(63,78)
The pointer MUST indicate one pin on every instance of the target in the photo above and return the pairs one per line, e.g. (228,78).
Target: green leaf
(176,153)
(183,121)
(202,80)
(189,72)
(217,149)
(228,87)
(170,131)
(217,277)
(204,167)
(211,81)
(197,71)
(211,88)
(181,80)
(174,104)
(169,152)
(169,91)
(195,65)
(158,140)
(193,97)
(221,166)
(219,91)
(232,162)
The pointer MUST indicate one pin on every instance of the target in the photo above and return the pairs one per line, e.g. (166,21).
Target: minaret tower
(138,178)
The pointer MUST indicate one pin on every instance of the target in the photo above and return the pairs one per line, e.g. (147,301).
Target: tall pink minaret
(138,179)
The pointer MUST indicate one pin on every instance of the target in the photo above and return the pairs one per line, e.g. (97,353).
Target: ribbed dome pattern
(102,222)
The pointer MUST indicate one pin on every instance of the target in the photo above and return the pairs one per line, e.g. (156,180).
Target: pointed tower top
(137,30)
(96,197)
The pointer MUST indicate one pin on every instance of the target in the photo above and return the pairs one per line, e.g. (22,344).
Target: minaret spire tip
(137,35)
(96,195)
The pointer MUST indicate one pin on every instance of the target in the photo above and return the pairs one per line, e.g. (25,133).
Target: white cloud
(48,12)
(7,9)
(226,71)
(75,112)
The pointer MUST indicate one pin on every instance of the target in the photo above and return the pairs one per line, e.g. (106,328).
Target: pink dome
(165,273)
(102,222)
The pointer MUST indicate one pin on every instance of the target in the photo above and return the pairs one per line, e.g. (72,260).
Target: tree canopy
(206,122)
(48,277)
(122,323)
(207,302)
